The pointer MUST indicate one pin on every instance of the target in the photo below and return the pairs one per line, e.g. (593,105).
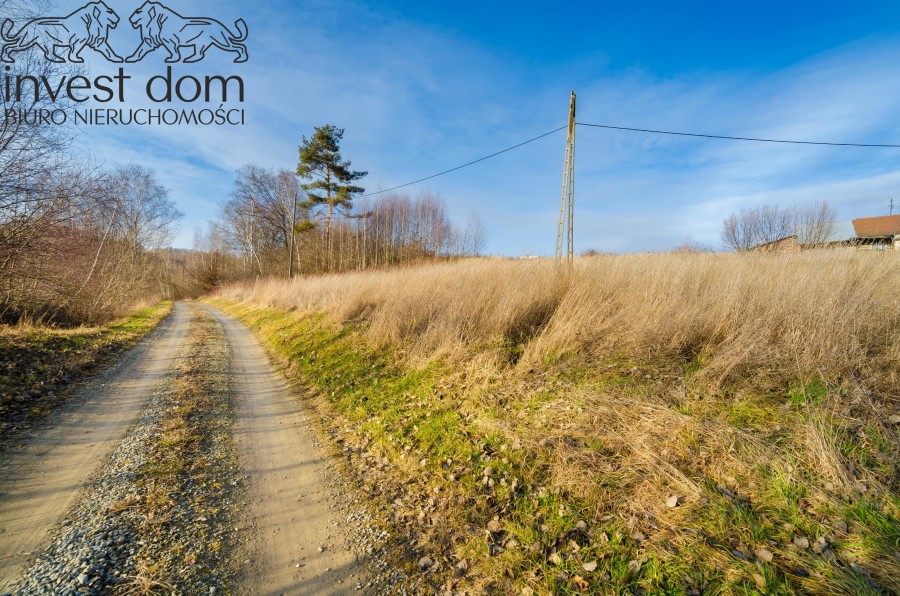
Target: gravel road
(40,481)
(298,546)
(78,514)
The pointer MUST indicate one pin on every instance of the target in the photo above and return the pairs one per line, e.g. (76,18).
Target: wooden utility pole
(564,230)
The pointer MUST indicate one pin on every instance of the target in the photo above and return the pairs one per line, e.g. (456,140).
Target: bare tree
(76,243)
(476,237)
(28,148)
(737,232)
(691,246)
(211,267)
(146,216)
(84,248)
(261,218)
(814,223)
(272,225)
(757,225)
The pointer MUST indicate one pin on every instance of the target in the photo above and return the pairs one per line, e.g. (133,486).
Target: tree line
(78,243)
(315,220)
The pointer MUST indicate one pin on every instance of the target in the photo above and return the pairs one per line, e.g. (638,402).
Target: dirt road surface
(293,538)
(41,480)
(289,497)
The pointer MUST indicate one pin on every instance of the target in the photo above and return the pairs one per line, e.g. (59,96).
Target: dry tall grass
(829,313)
(725,380)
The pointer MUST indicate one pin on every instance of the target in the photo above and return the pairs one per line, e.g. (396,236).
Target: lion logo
(87,27)
(163,27)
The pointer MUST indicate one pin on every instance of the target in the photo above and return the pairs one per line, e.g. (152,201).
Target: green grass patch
(38,365)
(811,393)
(431,426)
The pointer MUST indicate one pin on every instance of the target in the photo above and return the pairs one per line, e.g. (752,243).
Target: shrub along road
(188,467)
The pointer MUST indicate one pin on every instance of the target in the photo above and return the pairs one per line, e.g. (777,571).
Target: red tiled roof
(885,225)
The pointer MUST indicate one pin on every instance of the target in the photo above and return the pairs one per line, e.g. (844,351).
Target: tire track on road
(289,497)
(40,481)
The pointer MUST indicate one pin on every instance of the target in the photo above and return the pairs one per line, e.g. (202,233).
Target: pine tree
(331,176)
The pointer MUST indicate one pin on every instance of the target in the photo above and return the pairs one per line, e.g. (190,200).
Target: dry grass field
(675,423)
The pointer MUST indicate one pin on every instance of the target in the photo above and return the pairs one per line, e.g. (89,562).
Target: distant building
(878,233)
(867,233)
(787,244)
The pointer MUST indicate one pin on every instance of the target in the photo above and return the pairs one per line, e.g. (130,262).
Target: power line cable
(706,136)
(480,159)
(632,129)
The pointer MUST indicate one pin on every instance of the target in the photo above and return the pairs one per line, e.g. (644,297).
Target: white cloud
(415,100)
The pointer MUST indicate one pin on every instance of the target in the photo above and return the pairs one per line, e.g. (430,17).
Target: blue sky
(424,86)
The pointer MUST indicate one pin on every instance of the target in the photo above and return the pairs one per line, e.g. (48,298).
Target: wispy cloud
(416,99)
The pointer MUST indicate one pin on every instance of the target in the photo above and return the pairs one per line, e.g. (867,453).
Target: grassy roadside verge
(38,365)
(618,476)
